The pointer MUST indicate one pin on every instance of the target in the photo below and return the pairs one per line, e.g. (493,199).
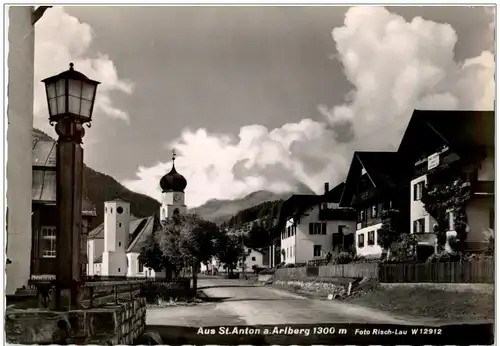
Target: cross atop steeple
(174,154)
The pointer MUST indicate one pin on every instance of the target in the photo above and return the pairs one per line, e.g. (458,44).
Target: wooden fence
(444,272)
(352,270)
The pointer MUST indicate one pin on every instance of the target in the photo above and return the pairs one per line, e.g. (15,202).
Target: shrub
(289,265)
(444,256)
(342,258)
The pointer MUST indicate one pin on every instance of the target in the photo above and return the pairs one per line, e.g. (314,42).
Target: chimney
(327,187)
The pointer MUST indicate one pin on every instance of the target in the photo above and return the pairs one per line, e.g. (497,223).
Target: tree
(404,250)
(388,233)
(170,242)
(228,250)
(187,240)
(439,200)
(152,255)
(198,238)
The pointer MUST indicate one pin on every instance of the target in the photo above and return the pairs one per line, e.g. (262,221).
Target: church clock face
(177,197)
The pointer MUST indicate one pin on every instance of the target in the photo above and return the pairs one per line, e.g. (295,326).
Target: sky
(259,98)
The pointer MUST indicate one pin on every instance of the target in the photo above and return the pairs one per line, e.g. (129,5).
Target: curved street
(235,302)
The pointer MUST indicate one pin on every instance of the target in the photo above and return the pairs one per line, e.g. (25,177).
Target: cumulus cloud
(394,66)
(60,39)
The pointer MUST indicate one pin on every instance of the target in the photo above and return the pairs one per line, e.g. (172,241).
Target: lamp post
(70,98)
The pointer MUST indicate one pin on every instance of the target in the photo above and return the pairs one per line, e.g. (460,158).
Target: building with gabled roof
(44,212)
(116,245)
(458,144)
(312,225)
(373,186)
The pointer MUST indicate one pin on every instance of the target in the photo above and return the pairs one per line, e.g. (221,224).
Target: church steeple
(173,181)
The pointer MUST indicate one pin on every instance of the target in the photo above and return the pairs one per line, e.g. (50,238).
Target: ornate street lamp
(70,98)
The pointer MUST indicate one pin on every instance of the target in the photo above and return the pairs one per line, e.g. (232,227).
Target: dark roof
(173,181)
(98,232)
(141,234)
(456,129)
(43,188)
(335,194)
(43,153)
(296,205)
(381,168)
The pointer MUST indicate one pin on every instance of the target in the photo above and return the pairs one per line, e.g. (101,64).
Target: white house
(114,247)
(254,257)
(314,225)
(464,139)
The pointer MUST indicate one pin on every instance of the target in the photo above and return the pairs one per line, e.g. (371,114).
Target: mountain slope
(99,187)
(219,211)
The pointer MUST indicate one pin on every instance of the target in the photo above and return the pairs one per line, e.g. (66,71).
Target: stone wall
(321,287)
(115,324)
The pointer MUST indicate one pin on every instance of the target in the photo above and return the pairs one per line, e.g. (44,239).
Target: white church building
(115,245)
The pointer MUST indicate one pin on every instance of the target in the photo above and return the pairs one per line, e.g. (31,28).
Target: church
(114,246)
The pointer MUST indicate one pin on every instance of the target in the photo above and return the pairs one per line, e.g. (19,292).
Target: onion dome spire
(173,181)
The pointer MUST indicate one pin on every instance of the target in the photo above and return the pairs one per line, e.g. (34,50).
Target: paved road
(234,302)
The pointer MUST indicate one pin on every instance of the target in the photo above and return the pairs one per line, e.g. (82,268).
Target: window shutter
(311,228)
(323,228)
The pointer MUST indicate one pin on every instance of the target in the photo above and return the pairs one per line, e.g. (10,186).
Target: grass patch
(430,302)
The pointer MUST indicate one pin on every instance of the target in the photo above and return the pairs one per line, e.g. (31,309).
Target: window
(253,259)
(361,216)
(317,228)
(119,210)
(105,210)
(323,228)
(111,210)
(371,238)
(141,266)
(361,240)
(374,210)
(119,224)
(119,243)
(48,242)
(342,229)
(286,253)
(317,250)
(419,226)
(418,189)
(118,270)
(311,228)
